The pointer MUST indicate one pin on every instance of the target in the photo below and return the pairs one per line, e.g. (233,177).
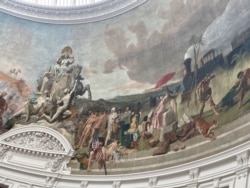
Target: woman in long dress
(161,108)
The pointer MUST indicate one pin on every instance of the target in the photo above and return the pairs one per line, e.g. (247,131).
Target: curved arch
(72,14)
(36,147)
(54,135)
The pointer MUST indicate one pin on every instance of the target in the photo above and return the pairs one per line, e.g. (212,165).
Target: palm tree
(240,57)
(196,43)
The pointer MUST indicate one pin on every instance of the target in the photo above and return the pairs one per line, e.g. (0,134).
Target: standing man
(137,112)
(173,99)
(124,125)
(204,94)
(111,120)
(243,84)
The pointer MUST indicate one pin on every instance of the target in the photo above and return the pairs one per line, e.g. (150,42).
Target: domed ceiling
(166,76)
(68,11)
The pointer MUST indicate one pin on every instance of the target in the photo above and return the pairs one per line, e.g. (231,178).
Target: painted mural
(141,84)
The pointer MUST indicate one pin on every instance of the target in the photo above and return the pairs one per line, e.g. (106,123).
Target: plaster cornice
(70,14)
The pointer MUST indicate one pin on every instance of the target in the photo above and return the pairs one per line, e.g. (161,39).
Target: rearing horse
(80,88)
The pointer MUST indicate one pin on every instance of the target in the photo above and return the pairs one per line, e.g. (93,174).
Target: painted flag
(95,143)
(164,79)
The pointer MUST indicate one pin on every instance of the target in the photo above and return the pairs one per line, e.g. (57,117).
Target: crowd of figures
(117,128)
(105,132)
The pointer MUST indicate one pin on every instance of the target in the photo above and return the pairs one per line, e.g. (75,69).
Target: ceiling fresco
(165,72)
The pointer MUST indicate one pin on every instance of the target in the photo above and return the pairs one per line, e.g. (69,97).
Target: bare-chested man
(32,107)
(111,120)
(64,104)
(101,122)
(204,94)
(243,84)
(97,154)
(86,133)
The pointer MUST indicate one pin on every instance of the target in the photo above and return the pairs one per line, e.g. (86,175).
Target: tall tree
(196,43)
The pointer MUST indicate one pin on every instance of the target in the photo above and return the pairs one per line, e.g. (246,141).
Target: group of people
(44,107)
(126,125)
(204,91)
(106,124)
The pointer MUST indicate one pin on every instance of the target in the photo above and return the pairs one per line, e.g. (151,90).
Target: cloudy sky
(127,54)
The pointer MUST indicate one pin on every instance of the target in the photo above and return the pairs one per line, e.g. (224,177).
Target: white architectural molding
(152,182)
(84,184)
(36,147)
(69,14)
(116,184)
(193,185)
(62,3)
(226,169)
(243,159)
(193,174)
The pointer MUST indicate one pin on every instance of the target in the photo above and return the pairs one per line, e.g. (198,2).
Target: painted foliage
(137,83)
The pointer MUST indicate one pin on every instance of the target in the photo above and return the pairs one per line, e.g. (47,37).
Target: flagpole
(105,168)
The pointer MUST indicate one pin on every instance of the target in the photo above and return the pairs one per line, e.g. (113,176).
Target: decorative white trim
(71,14)
(243,159)
(36,147)
(227,181)
(116,184)
(194,185)
(62,3)
(228,168)
(152,182)
(242,173)
(84,184)
(216,183)
(193,174)
(29,132)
